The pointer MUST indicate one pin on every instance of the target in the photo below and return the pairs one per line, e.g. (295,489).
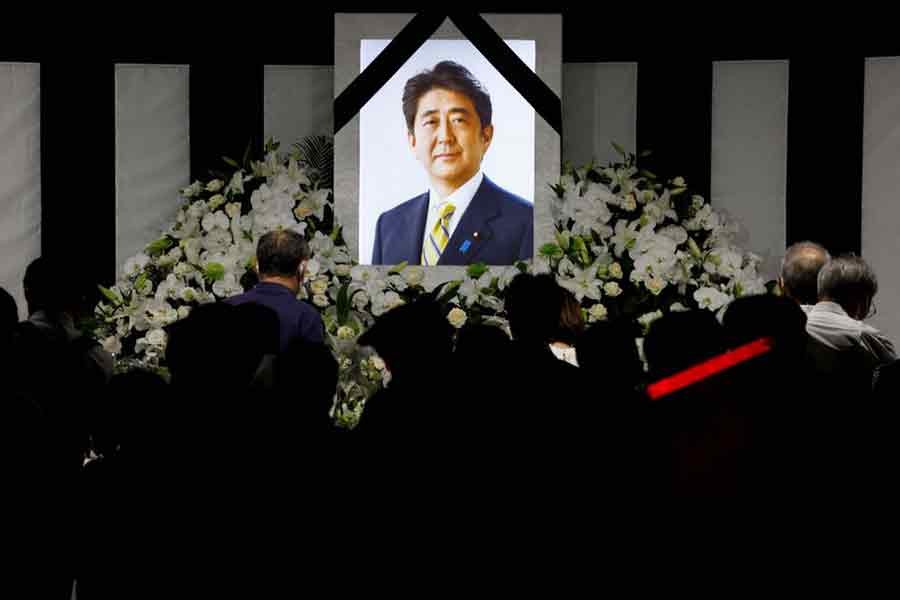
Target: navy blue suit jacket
(496,229)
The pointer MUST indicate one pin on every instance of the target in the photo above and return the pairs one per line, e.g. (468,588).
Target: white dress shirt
(829,324)
(460,199)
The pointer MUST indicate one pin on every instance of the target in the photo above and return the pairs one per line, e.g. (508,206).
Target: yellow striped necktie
(438,237)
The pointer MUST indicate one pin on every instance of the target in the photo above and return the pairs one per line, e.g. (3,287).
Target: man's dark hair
(533,307)
(446,75)
(281,252)
(849,281)
(51,285)
(800,268)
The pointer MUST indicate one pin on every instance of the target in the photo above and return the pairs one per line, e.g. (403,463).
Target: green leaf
(476,270)
(563,239)
(246,160)
(551,251)
(159,246)
(214,272)
(619,149)
(647,174)
(231,162)
(343,304)
(111,295)
(397,268)
(580,249)
(317,152)
(140,281)
(522,266)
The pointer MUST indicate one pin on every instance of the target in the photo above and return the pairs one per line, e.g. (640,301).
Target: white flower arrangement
(627,245)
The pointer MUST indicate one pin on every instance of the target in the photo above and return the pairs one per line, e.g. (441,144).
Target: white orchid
(711,298)
(227,286)
(136,264)
(470,289)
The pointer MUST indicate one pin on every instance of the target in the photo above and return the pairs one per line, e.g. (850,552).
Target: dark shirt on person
(296,319)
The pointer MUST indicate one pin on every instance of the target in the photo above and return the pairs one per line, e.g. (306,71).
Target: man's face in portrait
(448,138)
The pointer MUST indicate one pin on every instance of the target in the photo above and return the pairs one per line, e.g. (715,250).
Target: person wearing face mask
(281,258)
(464,217)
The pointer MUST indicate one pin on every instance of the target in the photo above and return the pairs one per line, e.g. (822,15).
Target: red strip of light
(708,368)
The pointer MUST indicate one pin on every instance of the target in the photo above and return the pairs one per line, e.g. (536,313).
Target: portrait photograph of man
(469,199)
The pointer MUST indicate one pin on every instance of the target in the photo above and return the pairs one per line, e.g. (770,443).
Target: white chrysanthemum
(615,271)
(345,333)
(183,312)
(342,270)
(612,289)
(597,312)
(414,275)
(215,185)
(457,317)
(321,300)
(319,285)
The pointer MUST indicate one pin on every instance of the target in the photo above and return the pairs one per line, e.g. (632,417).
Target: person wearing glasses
(846,298)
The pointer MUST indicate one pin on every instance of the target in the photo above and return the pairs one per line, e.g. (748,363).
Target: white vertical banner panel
(599,107)
(152,152)
(749,154)
(881,188)
(298,102)
(20,174)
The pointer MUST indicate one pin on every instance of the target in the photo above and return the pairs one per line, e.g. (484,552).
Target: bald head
(800,270)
